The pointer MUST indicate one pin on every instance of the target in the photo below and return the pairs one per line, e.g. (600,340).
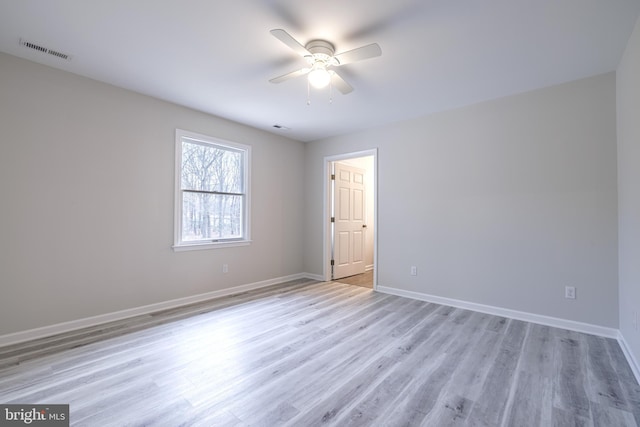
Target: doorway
(351,246)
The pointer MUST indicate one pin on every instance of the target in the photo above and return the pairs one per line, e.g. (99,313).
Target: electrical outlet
(414,270)
(225,268)
(570,292)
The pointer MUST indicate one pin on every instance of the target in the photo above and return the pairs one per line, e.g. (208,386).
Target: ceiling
(218,57)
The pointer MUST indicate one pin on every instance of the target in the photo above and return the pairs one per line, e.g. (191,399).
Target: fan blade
(365,52)
(290,75)
(286,38)
(339,83)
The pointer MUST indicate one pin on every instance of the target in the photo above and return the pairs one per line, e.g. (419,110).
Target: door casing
(326,228)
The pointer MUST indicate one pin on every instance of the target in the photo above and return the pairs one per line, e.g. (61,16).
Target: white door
(348,221)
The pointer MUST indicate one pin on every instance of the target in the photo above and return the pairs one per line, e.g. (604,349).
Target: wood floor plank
(604,386)
(469,377)
(539,352)
(417,367)
(412,321)
(211,390)
(340,310)
(568,418)
(340,363)
(307,353)
(351,356)
(424,401)
(450,410)
(607,416)
(492,403)
(498,324)
(523,410)
(332,406)
(421,334)
(570,388)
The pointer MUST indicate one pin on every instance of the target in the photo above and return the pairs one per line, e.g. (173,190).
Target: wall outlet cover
(570,292)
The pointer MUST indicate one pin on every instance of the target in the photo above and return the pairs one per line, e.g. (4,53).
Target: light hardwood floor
(365,280)
(309,353)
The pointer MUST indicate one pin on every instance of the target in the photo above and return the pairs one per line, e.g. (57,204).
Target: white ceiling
(218,56)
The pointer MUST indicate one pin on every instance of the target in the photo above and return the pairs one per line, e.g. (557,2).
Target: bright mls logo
(34,415)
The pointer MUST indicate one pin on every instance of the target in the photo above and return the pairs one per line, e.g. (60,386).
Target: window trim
(178,244)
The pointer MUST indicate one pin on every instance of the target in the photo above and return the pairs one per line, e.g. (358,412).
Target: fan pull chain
(308,93)
(331,91)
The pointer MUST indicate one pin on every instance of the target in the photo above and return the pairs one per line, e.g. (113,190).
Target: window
(212,192)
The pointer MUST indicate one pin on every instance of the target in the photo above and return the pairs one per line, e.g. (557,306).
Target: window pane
(211,216)
(209,168)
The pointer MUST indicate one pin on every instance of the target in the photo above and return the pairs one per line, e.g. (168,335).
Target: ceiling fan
(320,54)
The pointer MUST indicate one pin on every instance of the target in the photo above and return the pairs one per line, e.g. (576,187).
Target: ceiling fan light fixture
(319,77)
(321,57)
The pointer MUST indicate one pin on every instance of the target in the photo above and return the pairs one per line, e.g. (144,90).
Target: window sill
(209,245)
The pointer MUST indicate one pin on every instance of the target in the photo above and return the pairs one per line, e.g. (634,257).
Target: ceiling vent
(39,48)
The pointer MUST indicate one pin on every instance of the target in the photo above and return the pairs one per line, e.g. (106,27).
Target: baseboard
(312,276)
(504,312)
(633,363)
(47,331)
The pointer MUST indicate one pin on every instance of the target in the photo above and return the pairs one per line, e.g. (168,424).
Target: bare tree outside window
(213,194)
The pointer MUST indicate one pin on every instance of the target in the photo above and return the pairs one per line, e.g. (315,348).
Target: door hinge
(333,177)
(333,219)
(332,263)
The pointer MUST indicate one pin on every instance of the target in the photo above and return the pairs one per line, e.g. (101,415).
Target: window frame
(189,245)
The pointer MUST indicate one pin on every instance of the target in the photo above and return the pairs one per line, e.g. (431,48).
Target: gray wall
(628,98)
(86,183)
(502,203)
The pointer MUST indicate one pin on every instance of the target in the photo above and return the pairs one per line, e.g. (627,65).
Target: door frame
(326,217)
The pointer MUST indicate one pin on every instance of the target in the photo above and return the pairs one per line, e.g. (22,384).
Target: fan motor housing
(320,47)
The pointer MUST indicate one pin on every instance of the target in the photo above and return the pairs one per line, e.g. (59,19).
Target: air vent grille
(42,49)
